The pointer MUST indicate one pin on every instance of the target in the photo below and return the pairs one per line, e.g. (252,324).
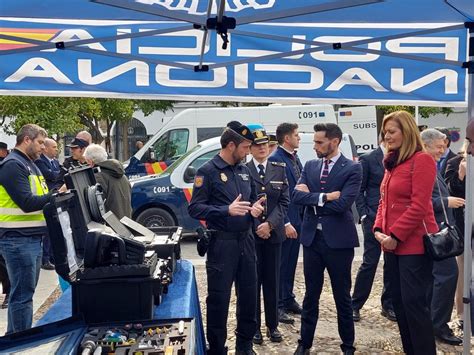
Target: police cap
(241,130)
(259,134)
(272,139)
(3,145)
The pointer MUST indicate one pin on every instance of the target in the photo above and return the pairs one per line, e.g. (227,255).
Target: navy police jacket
(216,185)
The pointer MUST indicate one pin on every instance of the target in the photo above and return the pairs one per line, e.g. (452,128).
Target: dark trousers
(441,294)
(4,280)
(365,276)
(47,250)
(318,257)
(268,271)
(230,261)
(410,276)
(289,258)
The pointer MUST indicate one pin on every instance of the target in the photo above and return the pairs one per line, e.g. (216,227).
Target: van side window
(169,146)
(208,132)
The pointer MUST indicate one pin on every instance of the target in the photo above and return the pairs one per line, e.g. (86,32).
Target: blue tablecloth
(181,301)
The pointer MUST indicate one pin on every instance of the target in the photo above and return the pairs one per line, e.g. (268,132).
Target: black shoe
(348,352)
(47,266)
(294,308)
(356,315)
(5,302)
(284,317)
(257,338)
(448,338)
(274,335)
(300,350)
(389,314)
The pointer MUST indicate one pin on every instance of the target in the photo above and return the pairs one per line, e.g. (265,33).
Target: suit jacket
(439,197)
(335,217)
(275,186)
(295,212)
(373,170)
(51,172)
(406,202)
(456,187)
(444,163)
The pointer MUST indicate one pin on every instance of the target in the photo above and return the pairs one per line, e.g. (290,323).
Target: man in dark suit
(51,170)
(445,272)
(367,203)
(327,188)
(448,153)
(289,140)
(270,182)
(49,165)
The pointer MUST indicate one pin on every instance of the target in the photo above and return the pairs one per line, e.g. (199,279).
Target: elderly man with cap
(3,150)
(77,159)
(271,183)
(224,196)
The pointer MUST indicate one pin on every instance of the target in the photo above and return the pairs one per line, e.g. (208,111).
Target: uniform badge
(244,132)
(223,177)
(259,134)
(198,181)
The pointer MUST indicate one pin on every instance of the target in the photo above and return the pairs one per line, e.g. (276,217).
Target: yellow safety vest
(12,216)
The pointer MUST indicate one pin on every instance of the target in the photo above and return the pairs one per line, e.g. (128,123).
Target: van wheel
(155,217)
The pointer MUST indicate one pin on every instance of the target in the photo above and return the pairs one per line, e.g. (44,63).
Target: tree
(61,115)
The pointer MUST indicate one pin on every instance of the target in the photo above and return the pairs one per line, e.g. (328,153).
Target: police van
(192,126)
(163,199)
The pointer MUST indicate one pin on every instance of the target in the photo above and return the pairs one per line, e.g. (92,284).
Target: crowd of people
(260,212)
(30,175)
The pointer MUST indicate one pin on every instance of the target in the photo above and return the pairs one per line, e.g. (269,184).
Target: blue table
(181,301)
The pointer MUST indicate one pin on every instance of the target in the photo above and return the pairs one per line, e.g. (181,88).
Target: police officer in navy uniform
(270,180)
(225,197)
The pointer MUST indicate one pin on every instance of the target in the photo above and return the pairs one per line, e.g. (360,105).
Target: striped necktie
(325,173)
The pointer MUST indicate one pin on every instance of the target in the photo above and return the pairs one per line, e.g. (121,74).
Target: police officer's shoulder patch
(277,163)
(198,181)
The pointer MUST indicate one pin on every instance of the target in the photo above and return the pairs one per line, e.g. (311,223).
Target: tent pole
(468,225)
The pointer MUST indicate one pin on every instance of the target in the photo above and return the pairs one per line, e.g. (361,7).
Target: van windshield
(168,147)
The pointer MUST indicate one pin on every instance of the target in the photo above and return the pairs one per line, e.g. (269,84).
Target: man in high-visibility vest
(23,194)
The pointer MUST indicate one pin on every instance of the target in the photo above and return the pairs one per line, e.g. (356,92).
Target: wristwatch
(325,198)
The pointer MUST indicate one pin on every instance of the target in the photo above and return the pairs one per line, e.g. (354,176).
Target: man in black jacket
(445,272)
(367,203)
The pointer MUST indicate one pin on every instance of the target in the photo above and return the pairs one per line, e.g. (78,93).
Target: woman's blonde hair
(411,142)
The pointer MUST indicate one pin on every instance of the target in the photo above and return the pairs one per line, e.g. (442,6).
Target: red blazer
(405,202)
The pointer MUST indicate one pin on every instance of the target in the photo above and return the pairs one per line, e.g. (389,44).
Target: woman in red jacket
(405,213)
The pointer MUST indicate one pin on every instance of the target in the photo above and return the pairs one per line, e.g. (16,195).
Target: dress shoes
(294,308)
(284,317)
(274,335)
(47,266)
(348,352)
(356,315)
(389,314)
(448,338)
(300,350)
(258,338)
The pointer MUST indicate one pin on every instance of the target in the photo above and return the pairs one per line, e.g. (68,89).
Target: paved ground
(374,333)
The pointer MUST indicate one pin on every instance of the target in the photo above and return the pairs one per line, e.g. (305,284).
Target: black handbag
(446,243)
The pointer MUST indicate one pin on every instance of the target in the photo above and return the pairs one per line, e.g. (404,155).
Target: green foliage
(424,112)
(61,115)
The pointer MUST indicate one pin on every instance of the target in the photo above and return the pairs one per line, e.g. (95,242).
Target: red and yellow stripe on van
(188,193)
(155,168)
(27,33)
